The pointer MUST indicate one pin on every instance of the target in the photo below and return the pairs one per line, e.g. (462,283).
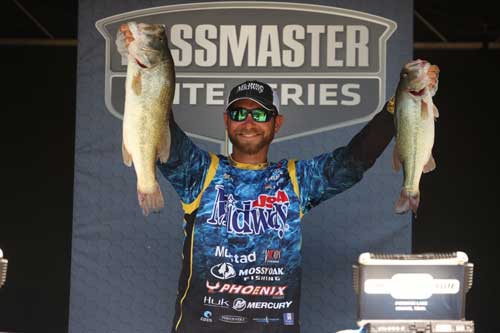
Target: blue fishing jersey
(242,249)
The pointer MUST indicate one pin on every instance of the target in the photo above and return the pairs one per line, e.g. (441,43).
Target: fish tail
(407,201)
(151,202)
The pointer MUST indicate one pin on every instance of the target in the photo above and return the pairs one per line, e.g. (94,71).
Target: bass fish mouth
(143,66)
(140,63)
(149,50)
(417,92)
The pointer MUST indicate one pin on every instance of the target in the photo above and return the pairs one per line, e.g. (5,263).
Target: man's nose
(248,119)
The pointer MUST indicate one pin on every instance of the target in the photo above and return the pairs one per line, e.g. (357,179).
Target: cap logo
(251,86)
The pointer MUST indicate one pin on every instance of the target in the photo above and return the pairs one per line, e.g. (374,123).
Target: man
(241,267)
(242,215)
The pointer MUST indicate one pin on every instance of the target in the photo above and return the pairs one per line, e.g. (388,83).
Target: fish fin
(435,110)
(137,84)
(430,165)
(151,202)
(164,147)
(127,158)
(424,109)
(433,72)
(121,46)
(391,105)
(396,161)
(406,202)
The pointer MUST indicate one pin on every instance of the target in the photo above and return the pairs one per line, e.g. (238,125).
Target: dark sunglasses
(258,115)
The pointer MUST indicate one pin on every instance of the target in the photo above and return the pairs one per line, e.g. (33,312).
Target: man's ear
(226,119)
(278,121)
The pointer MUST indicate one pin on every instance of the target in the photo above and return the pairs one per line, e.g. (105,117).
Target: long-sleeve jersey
(242,249)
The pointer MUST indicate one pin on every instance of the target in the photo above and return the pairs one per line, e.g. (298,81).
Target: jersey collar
(247,166)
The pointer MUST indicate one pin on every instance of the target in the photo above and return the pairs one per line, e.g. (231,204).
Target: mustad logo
(327,64)
(221,251)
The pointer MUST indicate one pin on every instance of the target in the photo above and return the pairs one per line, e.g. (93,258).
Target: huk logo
(327,64)
(216,302)
(252,217)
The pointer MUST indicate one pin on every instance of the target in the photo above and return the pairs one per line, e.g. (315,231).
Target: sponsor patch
(250,217)
(233,319)
(273,256)
(239,304)
(288,318)
(223,271)
(250,290)
(266,320)
(215,302)
(207,317)
(221,251)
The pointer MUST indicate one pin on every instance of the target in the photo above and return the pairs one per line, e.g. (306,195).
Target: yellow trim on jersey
(189,279)
(293,178)
(191,207)
(247,166)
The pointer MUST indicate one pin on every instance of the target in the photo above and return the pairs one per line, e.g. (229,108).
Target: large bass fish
(414,116)
(149,93)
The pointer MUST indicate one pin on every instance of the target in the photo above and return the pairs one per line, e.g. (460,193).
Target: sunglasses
(258,115)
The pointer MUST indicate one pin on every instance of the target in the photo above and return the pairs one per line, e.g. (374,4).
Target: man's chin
(248,148)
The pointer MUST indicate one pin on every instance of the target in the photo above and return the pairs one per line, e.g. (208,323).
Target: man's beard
(250,148)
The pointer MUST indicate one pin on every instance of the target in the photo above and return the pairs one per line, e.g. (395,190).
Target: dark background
(38,88)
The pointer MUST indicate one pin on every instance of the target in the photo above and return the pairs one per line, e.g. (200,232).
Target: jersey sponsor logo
(215,302)
(221,251)
(266,320)
(230,288)
(207,317)
(272,256)
(239,304)
(250,217)
(288,318)
(233,319)
(223,271)
(261,273)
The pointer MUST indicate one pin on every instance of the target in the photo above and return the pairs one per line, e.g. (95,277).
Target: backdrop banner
(333,63)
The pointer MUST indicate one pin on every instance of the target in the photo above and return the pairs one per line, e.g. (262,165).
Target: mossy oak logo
(328,64)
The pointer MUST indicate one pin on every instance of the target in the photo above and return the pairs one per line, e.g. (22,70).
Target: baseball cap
(256,91)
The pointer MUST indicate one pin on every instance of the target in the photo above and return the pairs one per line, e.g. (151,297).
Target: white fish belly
(415,138)
(144,123)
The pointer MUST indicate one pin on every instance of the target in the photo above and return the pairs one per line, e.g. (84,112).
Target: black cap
(256,91)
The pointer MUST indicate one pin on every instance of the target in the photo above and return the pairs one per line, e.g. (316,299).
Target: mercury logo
(239,304)
(328,64)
